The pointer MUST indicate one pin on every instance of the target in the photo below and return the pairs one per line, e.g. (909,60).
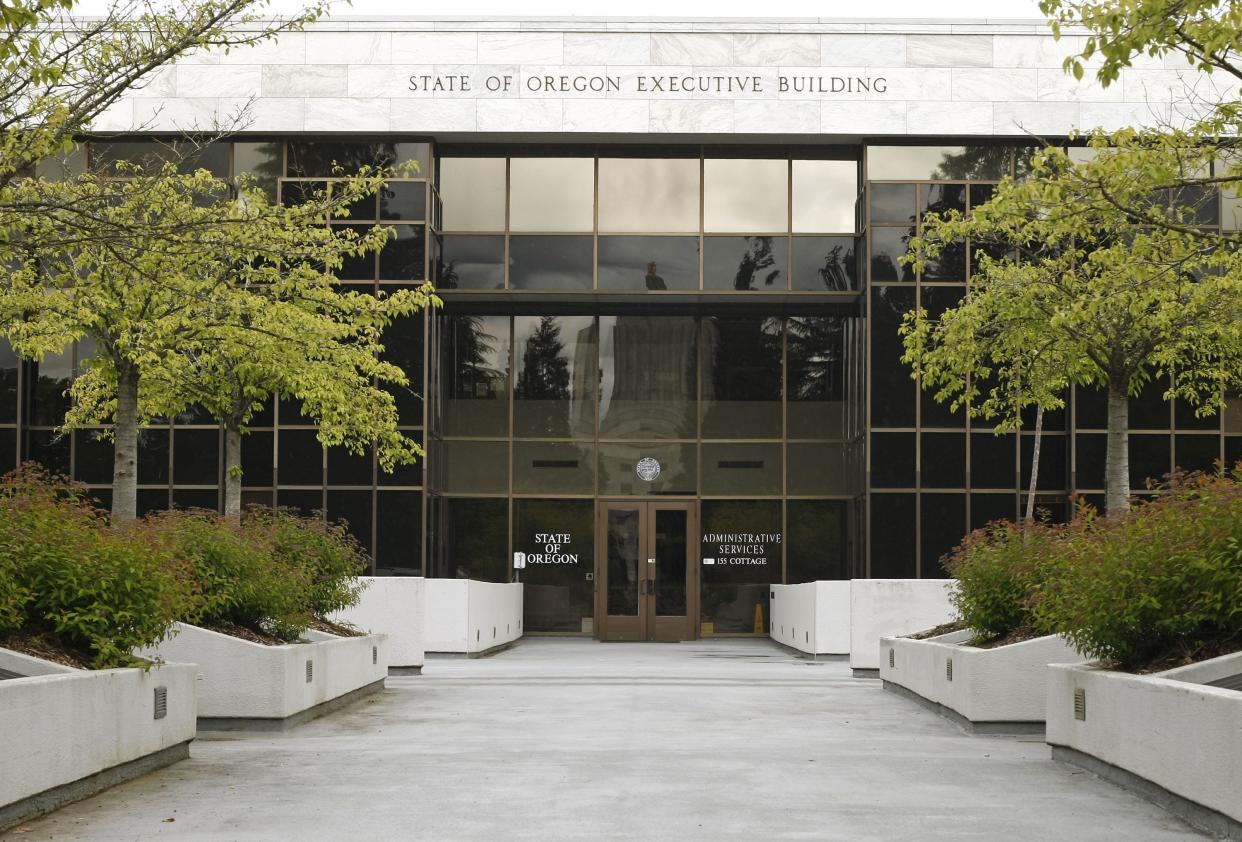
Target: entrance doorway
(648,585)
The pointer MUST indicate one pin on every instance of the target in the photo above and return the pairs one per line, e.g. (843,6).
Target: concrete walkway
(577,740)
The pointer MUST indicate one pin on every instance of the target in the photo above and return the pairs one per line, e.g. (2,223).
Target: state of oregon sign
(647,469)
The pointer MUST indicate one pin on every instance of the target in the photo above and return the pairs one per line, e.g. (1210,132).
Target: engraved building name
(647,83)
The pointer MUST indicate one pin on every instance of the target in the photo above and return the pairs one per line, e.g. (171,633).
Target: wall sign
(648,469)
(646,84)
(555,550)
(740,548)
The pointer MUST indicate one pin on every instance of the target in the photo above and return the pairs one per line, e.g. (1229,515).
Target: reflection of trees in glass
(544,376)
(835,272)
(447,276)
(976,163)
(476,359)
(742,388)
(757,263)
(816,371)
(316,158)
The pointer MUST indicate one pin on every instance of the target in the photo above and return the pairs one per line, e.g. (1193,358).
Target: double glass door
(647,581)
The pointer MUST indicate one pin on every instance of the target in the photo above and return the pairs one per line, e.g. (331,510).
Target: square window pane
(892,460)
(49,450)
(472,536)
(92,457)
(944,460)
(993,460)
(824,196)
(742,377)
(471,262)
(403,200)
(474,375)
(986,508)
(153,456)
(301,458)
(618,465)
(554,388)
(347,468)
(551,262)
(888,246)
(893,203)
(818,540)
(411,474)
(472,191)
(816,397)
(745,195)
(353,508)
(825,264)
(742,469)
(1197,453)
(648,195)
(473,467)
(551,194)
(648,377)
(362,210)
(942,198)
(553,467)
(650,263)
(745,263)
(402,257)
(399,533)
(196,456)
(815,468)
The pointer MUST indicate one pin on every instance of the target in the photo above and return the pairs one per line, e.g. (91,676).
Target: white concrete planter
(1176,740)
(891,607)
(471,617)
(813,617)
(998,690)
(251,686)
(392,605)
(70,733)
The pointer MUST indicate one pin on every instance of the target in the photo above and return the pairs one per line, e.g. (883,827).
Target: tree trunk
(232,474)
(125,451)
(1117,461)
(1029,518)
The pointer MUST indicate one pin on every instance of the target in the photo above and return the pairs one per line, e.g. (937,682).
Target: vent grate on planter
(1229,682)
(891,659)
(374,654)
(161,702)
(310,671)
(948,669)
(1080,704)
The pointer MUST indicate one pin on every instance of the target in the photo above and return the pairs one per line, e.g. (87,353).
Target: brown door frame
(647,626)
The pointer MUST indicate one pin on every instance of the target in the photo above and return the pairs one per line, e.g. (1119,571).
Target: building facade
(667,371)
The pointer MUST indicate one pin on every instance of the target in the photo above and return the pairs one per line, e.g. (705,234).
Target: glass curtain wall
(933,474)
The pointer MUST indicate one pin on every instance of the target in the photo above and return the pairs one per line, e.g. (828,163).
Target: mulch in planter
(943,628)
(1018,635)
(1189,655)
(248,634)
(47,647)
(338,629)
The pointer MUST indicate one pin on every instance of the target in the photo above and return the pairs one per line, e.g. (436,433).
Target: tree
(58,72)
(545,376)
(1095,298)
(191,298)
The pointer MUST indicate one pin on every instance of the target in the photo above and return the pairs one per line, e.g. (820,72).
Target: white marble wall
(353,76)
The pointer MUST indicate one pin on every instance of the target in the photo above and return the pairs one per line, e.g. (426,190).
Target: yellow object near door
(759,629)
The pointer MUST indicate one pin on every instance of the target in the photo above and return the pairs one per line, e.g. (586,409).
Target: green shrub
(996,569)
(325,553)
(1162,580)
(235,578)
(99,592)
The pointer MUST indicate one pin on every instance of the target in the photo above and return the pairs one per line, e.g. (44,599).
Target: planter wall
(813,617)
(70,733)
(891,607)
(988,689)
(1182,737)
(471,617)
(270,686)
(392,605)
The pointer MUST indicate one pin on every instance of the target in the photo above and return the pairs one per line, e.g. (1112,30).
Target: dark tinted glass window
(1091,408)
(935,414)
(403,200)
(473,467)
(398,533)
(651,263)
(944,460)
(1184,416)
(471,261)
(992,462)
(473,538)
(152,500)
(323,158)
(359,267)
(818,540)
(817,468)
(474,375)
(648,377)
(153,456)
(1197,453)
(742,377)
(1148,409)
(1149,459)
(49,380)
(944,525)
(346,468)
(893,536)
(195,457)
(553,467)
(403,346)
(888,245)
(817,371)
(305,502)
(1053,462)
(892,460)
(745,263)
(742,469)
(1090,450)
(49,450)
(8,383)
(558,537)
(985,508)
(92,457)
(8,450)
(943,198)
(618,469)
(825,264)
(294,193)
(892,395)
(402,257)
(257,458)
(301,458)
(354,509)
(892,203)
(949,265)
(744,539)
(539,262)
(554,385)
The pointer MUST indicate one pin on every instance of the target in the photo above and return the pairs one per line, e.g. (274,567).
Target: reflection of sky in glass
(550,262)
(824,193)
(626,263)
(473,193)
(745,196)
(649,195)
(551,194)
(912,162)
